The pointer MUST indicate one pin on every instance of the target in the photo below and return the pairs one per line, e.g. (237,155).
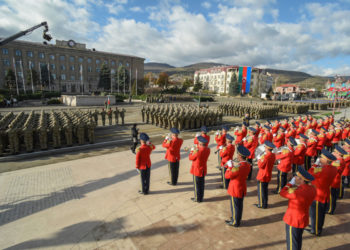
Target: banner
(249,73)
(244,79)
(240,76)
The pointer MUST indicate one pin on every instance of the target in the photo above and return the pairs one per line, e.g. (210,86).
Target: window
(29,53)
(53,76)
(63,67)
(72,78)
(52,57)
(71,59)
(113,63)
(89,60)
(41,55)
(72,67)
(97,70)
(72,88)
(53,66)
(62,58)
(112,71)
(18,63)
(81,59)
(105,62)
(64,88)
(18,52)
(120,64)
(42,65)
(5,51)
(6,62)
(97,61)
(127,64)
(89,69)
(63,77)
(31,64)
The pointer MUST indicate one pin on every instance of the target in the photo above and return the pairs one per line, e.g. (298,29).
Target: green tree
(10,79)
(45,81)
(197,86)
(121,79)
(104,81)
(233,88)
(162,80)
(35,75)
(187,83)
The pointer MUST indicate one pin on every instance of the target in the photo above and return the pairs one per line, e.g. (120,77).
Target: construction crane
(46,36)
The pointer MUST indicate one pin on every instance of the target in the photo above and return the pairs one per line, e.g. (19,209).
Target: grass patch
(331,113)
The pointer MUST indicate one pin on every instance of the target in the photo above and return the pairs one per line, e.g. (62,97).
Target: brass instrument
(186,149)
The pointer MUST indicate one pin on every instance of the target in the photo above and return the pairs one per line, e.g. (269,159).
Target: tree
(162,80)
(35,75)
(233,86)
(187,83)
(121,79)
(104,81)
(45,81)
(197,86)
(10,79)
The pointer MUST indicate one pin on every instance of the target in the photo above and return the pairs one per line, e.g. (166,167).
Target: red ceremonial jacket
(172,149)
(265,165)
(345,134)
(329,140)
(251,145)
(346,171)
(299,130)
(278,140)
(324,177)
(143,160)
(238,179)
(321,142)
(226,153)
(299,154)
(199,161)
(240,134)
(340,169)
(286,159)
(337,136)
(311,147)
(300,200)
(220,140)
(266,137)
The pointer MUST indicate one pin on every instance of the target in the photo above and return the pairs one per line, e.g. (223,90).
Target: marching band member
(199,157)
(143,162)
(327,123)
(299,153)
(265,165)
(329,139)
(173,145)
(278,139)
(220,138)
(251,143)
(285,165)
(311,150)
(300,194)
(204,131)
(240,134)
(322,139)
(324,174)
(258,128)
(346,172)
(337,135)
(319,125)
(335,186)
(300,130)
(238,185)
(266,136)
(226,154)
(290,133)
(275,127)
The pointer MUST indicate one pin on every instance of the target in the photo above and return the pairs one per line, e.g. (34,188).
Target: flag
(249,74)
(244,79)
(108,102)
(240,76)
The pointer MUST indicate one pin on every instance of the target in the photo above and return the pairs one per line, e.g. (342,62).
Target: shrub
(54,101)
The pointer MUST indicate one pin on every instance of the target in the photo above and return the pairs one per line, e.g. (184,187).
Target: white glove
(192,149)
(292,181)
(317,162)
(274,135)
(167,138)
(229,163)
(286,132)
(220,147)
(216,133)
(236,129)
(148,142)
(259,136)
(244,139)
(198,134)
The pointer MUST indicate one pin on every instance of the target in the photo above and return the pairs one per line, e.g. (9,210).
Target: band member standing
(300,194)
(311,150)
(285,165)
(346,172)
(220,138)
(238,185)
(278,139)
(199,157)
(335,186)
(299,153)
(265,165)
(143,162)
(251,142)
(203,133)
(324,174)
(173,146)
(226,154)
(240,133)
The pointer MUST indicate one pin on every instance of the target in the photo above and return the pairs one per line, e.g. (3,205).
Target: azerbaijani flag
(108,102)
(244,79)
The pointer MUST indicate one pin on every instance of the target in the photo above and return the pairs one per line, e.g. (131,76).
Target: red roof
(288,85)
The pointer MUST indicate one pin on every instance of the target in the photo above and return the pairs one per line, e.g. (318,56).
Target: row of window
(41,55)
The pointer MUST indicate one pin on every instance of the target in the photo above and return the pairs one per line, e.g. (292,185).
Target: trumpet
(167,135)
(193,148)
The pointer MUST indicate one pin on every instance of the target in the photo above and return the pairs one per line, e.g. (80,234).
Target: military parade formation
(189,116)
(255,110)
(311,156)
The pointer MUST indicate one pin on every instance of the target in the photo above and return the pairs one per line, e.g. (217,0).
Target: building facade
(218,79)
(74,68)
(287,89)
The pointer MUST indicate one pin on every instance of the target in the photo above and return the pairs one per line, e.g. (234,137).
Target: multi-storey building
(218,79)
(73,67)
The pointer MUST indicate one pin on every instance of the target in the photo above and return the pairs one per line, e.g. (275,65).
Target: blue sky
(309,36)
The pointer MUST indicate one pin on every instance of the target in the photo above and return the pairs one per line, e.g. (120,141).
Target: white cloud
(114,8)
(206,5)
(136,9)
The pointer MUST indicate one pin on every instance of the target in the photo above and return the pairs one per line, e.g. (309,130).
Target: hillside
(156,67)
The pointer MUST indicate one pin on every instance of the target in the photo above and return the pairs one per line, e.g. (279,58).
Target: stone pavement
(92,203)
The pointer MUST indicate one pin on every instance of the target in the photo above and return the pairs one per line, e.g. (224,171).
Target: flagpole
(14,65)
(31,76)
(24,85)
(48,75)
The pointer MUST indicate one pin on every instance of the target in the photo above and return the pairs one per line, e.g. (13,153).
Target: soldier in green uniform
(103,116)
(122,115)
(116,115)
(110,116)
(95,114)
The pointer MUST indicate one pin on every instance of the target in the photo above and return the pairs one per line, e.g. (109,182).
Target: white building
(218,78)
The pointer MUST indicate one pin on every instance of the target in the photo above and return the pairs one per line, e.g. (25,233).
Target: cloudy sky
(309,36)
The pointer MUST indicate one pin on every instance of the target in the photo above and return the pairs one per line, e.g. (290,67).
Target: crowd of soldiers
(255,110)
(45,130)
(289,107)
(181,116)
(109,113)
